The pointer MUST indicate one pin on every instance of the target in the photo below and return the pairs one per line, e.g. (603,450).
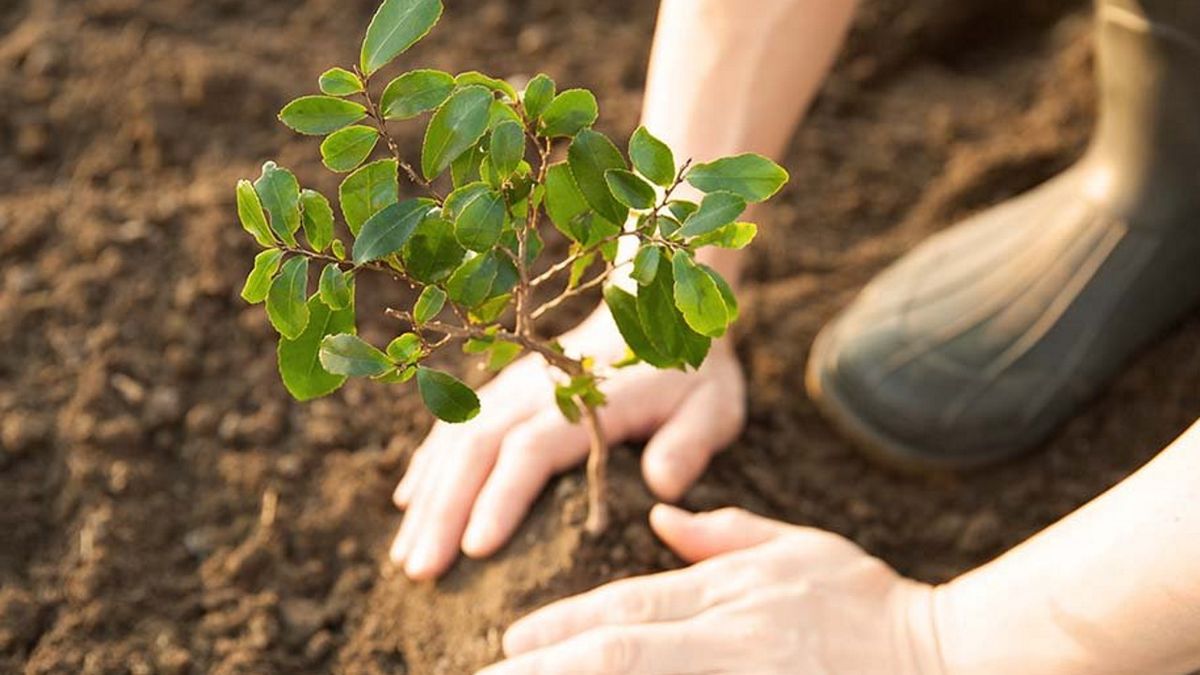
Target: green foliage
(386,232)
(279,192)
(429,305)
(299,359)
(344,150)
(266,264)
(350,356)
(397,25)
(590,156)
(752,177)
(469,244)
(652,158)
(538,95)
(320,115)
(569,113)
(339,82)
(414,93)
(286,305)
(367,191)
(334,287)
(446,397)
(455,127)
(630,190)
(317,216)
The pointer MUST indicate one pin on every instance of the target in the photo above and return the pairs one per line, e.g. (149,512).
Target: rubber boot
(986,338)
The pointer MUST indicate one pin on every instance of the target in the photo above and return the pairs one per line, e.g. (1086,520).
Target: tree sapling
(468,241)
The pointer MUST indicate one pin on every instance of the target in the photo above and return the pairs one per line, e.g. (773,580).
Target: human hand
(469,485)
(767,598)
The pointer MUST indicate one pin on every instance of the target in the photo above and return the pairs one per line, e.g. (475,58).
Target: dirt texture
(166,508)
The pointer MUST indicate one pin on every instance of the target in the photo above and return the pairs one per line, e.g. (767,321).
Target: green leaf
(250,213)
(645,264)
(652,158)
(471,284)
(466,169)
(734,235)
(682,209)
(479,215)
(414,93)
(334,287)
(266,264)
(286,306)
(299,362)
(406,349)
(280,194)
(491,310)
(629,189)
(565,204)
(623,307)
(716,211)
(387,231)
(367,191)
(338,249)
(446,397)
(564,398)
(501,354)
(432,252)
(591,155)
(507,148)
(727,294)
(455,127)
(429,304)
(317,216)
(349,355)
(344,150)
(569,113)
(752,177)
(320,115)
(538,95)
(398,25)
(475,77)
(699,298)
(340,82)
(579,268)
(664,324)
(500,112)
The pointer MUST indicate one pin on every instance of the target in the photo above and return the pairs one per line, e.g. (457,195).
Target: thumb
(699,536)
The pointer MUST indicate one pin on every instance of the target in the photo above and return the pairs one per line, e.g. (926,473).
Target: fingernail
(419,564)
(396,552)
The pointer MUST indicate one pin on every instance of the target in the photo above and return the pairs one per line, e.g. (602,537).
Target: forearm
(732,77)
(1112,588)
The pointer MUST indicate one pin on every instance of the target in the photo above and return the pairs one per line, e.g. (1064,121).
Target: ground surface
(164,507)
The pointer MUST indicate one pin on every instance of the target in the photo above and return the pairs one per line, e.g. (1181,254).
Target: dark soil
(164,507)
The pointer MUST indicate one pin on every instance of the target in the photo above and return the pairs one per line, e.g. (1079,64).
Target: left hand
(767,598)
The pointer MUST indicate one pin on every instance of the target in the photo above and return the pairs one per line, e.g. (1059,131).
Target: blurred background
(164,505)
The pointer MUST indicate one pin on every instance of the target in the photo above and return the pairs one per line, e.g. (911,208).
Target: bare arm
(1112,588)
(732,77)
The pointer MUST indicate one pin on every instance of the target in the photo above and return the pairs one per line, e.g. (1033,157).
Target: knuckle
(615,652)
(636,607)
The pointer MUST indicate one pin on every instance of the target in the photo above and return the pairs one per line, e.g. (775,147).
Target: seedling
(468,241)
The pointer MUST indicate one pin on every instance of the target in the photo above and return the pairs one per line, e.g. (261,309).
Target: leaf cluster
(496,164)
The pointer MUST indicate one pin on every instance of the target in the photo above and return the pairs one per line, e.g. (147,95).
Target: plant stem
(393,148)
(597,472)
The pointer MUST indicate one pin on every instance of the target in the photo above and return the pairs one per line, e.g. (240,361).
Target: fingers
(696,537)
(658,598)
(654,649)
(530,454)
(705,423)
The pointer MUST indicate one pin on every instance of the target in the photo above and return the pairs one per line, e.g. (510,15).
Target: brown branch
(466,332)
(393,148)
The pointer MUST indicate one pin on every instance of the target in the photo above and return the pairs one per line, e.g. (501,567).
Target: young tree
(469,242)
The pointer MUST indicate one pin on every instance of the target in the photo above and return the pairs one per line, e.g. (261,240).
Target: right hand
(470,485)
